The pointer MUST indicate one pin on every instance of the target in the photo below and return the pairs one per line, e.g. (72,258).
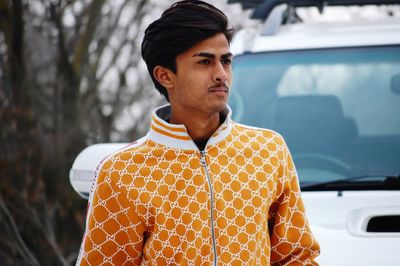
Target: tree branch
(23,249)
(81,49)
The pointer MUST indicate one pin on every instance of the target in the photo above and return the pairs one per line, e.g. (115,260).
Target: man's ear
(164,76)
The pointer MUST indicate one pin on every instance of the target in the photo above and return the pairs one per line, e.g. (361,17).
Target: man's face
(203,77)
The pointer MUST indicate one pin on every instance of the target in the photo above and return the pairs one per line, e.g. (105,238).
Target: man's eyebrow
(212,56)
(227,55)
(204,54)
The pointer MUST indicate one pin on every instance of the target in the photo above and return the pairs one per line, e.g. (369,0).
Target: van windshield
(338,109)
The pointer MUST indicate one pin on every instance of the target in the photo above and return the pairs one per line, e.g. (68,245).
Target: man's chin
(219,107)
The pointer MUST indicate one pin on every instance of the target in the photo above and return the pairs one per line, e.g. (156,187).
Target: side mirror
(82,171)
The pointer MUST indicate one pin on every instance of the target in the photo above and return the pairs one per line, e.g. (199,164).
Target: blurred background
(71,75)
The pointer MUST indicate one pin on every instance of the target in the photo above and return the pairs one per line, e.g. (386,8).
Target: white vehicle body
(339,224)
(339,219)
(329,35)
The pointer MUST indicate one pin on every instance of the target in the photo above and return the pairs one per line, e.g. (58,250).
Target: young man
(198,189)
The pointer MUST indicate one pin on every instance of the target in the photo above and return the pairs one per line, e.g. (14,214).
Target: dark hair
(179,28)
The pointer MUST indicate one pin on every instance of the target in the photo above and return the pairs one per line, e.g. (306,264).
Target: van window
(336,108)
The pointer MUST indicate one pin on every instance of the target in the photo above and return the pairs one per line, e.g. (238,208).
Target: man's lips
(220,88)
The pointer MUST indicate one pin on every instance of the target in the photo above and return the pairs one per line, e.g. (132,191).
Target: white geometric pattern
(152,205)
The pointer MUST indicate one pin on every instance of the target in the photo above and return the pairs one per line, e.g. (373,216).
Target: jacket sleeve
(114,234)
(292,242)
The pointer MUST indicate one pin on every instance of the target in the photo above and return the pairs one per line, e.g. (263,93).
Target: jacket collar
(176,136)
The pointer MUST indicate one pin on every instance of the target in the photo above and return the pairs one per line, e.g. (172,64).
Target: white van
(333,91)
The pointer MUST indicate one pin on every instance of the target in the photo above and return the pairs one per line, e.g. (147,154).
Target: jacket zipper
(204,164)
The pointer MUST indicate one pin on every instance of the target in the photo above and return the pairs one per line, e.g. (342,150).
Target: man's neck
(199,127)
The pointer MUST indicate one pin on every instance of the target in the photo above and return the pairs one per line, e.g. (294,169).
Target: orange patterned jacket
(160,201)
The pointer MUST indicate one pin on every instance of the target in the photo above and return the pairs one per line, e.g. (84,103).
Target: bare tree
(69,70)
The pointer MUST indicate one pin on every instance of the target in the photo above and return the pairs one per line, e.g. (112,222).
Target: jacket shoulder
(259,132)
(120,157)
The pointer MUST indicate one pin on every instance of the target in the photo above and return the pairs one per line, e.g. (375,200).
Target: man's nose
(220,74)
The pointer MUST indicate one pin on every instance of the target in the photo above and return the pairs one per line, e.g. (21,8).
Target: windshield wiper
(364,182)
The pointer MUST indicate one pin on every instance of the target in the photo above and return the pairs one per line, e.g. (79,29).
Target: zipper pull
(203,158)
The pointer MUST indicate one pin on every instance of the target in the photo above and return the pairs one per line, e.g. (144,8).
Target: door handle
(360,221)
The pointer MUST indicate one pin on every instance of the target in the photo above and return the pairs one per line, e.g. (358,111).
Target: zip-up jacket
(162,201)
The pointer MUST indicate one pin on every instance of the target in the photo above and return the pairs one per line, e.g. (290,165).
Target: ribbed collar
(176,136)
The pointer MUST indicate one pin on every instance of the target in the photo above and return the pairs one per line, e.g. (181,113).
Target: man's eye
(227,61)
(205,62)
